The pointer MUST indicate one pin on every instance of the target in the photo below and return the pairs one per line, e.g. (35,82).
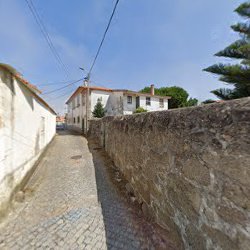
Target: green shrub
(140,110)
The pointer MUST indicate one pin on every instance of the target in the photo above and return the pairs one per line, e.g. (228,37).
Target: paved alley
(71,203)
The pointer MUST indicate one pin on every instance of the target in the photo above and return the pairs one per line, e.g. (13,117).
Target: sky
(161,42)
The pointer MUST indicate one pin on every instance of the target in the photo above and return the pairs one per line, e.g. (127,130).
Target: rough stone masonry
(189,167)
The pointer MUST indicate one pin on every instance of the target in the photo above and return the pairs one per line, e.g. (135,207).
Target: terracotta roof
(60,118)
(83,88)
(130,92)
(98,88)
(25,82)
(19,77)
(35,91)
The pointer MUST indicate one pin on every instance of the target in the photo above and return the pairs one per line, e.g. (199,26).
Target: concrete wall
(26,127)
(190,169)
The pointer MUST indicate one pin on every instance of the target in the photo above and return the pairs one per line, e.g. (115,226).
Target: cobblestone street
(71,203)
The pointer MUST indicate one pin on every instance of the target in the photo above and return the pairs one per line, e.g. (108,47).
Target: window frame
(129,99)
(148,101)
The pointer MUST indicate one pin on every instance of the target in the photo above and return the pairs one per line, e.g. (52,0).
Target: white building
(27,125)
(115,102)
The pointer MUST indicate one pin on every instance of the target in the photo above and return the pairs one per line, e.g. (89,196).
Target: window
(148,101)
(78,119)
(161,102)
(129,99)
(74,120)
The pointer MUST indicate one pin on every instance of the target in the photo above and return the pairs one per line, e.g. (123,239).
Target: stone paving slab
(70,203)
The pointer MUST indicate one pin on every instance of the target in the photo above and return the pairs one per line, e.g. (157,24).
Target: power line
(58,97)
(49,39)
(103,38)
(96,56)
(56,83)
(55,90)
(46,36)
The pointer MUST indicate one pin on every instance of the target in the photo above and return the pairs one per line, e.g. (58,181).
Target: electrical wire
(46,36)
(55,83)
(55,90)
(60,96)
(103,38)
(96,56)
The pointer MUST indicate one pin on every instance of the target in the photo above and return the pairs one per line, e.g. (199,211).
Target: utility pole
(86,83)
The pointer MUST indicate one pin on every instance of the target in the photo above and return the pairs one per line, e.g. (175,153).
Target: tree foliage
(179,96)
(99,111)
(238,75)
(140,110)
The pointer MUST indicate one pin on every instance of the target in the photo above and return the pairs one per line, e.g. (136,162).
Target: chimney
(152,89)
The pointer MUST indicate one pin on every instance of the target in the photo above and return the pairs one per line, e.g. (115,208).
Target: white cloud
(23,47)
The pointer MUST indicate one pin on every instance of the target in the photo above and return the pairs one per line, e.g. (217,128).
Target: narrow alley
(71,203)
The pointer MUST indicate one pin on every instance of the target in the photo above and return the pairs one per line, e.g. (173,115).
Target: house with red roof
(114,101)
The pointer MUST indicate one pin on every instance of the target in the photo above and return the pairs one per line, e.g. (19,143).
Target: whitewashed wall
(155,106)
(129,108)
(80,110)
(74,113)
(95,95)
(114,104)
(26,127)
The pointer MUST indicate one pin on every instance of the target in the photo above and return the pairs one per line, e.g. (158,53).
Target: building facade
(115,102)
(27,125)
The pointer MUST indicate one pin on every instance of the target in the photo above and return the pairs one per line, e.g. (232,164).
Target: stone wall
(190,168)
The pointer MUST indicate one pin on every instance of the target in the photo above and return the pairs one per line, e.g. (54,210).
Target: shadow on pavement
(125,227)
(63,132)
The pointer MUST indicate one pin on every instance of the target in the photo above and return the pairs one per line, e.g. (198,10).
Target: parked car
(60,126)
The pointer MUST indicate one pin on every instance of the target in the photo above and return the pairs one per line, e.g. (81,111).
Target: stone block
(194,237)
(184,196)
(243,241)
(238,194)
(219,238)
(196,170)
(146,211)
(232,215)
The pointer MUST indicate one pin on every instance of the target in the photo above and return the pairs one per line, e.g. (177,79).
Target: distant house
(115,102)
(27,125)
(60,119)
